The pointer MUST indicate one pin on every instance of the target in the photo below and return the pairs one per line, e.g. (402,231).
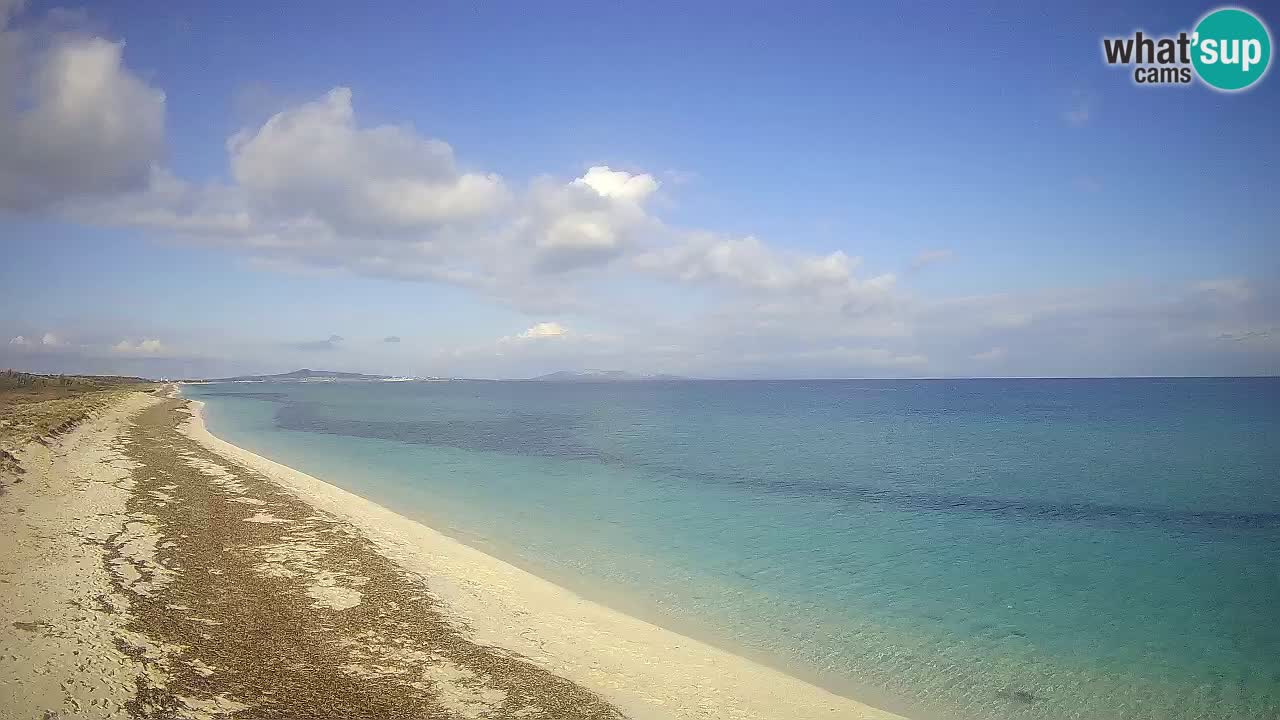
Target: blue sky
(740,190)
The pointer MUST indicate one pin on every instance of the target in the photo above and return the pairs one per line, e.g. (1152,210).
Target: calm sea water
(994,549)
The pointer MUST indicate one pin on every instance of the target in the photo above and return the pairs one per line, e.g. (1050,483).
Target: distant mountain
(303,375)
(604,376)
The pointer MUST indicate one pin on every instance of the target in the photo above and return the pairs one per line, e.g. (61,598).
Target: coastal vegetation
(38,408)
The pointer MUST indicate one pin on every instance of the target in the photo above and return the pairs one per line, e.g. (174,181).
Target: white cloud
(749,264)
(315,160)
(78,124)
(148,346)
(47,340)
(314,189)
(589,221)
(544,330)
(215,213)
(618,184)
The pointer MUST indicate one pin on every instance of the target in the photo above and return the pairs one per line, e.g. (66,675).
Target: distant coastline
(309,375)
(623,376)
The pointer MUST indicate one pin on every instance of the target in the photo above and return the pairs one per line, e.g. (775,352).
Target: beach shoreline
(618,600)
(152,578)
(647,671)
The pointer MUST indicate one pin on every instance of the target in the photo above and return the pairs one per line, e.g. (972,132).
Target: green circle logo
(1231,49)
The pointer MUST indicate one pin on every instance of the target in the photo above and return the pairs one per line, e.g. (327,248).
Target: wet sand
(160,572)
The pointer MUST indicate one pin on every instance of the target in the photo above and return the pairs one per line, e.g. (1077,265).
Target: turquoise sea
(987,549)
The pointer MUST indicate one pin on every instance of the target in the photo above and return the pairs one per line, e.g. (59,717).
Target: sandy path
(61,620)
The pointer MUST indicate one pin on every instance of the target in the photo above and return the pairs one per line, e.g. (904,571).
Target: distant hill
(604,376)
(302,375)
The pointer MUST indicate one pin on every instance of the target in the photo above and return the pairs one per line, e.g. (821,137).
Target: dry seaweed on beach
(218,594)
(286,612)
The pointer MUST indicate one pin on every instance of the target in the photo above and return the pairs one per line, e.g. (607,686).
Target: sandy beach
(159,571)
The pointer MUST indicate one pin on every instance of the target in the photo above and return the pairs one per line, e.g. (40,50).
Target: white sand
(59,614)
(647,671)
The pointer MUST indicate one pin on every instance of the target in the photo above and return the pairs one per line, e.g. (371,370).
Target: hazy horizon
(714,192)
(658,376)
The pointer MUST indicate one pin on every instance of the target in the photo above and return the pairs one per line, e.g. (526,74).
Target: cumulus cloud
(315,160)
(78,123)
(149,346)
(543,347)
(589,221)
(213,212)
(618,184)
(544,330)
(47,340)
(312,187)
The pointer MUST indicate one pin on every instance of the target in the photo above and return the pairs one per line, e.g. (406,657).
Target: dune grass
(38,408)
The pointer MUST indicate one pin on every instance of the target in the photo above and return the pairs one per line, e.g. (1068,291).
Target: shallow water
(978,548)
